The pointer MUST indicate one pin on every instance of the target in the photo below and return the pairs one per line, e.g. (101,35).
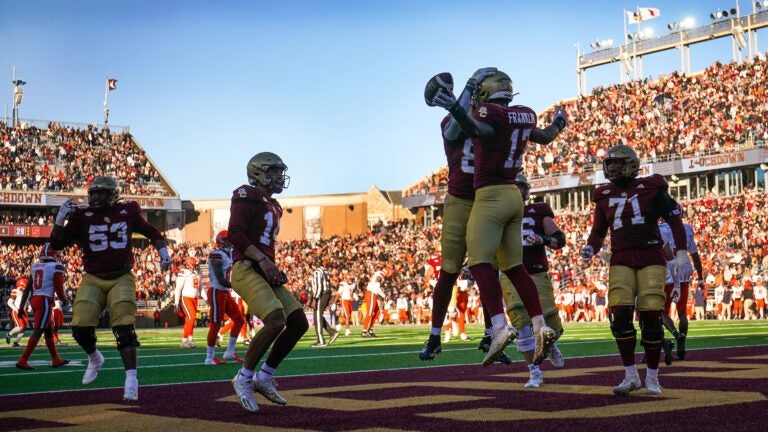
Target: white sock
(265,372)
(498,322)
(245,374)
(651,373)
(533,368)
(488,332)
(231,344)
(209,352)
(435,331)
(130,374)
(94,356)
(631,370)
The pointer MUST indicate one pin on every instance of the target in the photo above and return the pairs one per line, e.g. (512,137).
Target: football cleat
(544,341)
(431,348)
(629,384)
(191,344)
(447,337)
(59,362)
(499,341)
(652,386)
(184,344)
(371,333)
(317,345)
(347,332)
(485,343)
(333,338)
(234,357)
(16,344)
(22,364)
(92,371)
(464,337)
(365,334)
(8,340)
(668,346)
(131,390)
(214,362)
(503,358)
(244,393)
(681,348)
(556,357)
(535,381)
(267,389)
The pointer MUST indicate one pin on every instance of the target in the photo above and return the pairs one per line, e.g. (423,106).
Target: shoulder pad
(601,192)
(546,210)
(655,180)
(246,192)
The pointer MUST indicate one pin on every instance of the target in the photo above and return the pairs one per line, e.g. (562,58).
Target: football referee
(321,294)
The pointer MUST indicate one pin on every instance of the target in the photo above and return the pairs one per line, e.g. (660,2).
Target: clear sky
(335,87)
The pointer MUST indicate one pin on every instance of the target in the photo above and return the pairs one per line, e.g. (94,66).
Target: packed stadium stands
(672,117)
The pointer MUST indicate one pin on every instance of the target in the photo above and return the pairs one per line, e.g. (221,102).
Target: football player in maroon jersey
(539,231)
(253,227)
(630,207)
(103,231)
(500,135)
(459,154)
(47,281)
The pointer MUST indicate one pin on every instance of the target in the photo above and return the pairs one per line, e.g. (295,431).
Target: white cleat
(267,389)
(544,341)
(92,371)
(556,357)
(499,341)
(347,332)
(535,381)
(630,384)
(131,392)
(652,386)
(245,394)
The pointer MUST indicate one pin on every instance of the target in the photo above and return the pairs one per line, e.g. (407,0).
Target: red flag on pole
(111,84)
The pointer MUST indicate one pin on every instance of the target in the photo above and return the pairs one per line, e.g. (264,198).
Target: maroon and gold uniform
(535,256)
(631,213)
(104,236)
(255,220)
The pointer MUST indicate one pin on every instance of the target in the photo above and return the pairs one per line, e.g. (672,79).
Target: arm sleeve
(546,135)
(599,230)
(62,237)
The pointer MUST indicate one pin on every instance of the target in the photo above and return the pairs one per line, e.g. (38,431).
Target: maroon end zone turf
(718,389)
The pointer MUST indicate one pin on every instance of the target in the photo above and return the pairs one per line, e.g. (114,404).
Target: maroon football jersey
(535,256)
(632,217)
(104,236)
(498,159)
(461,164)
(254,219)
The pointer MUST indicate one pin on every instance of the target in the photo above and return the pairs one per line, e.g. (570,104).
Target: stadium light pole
(685,53)
(17,98)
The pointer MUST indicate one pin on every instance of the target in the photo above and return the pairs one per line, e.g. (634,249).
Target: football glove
(65,210)
(587,252)
(683,266)
(441,81)
(444,99)
(534,239)
(560,118)
(675,294)
(165,259)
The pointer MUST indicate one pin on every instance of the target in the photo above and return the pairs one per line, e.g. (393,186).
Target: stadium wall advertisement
(23,198)
(755,156)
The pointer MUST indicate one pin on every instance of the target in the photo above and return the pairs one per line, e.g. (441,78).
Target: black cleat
(432,348)
(371,333)
(365,334)
(503,358)
(485,344)
(668,346)
(8,340)
(681,348)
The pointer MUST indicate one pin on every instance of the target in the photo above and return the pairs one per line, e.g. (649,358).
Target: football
(442,80)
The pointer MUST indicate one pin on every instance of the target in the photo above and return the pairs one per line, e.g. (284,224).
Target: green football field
(162,361)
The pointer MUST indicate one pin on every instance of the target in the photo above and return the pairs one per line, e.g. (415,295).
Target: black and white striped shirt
(321,282)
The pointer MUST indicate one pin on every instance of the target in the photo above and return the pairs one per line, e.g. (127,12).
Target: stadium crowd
(732,245)
(674,116)
(62,158)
